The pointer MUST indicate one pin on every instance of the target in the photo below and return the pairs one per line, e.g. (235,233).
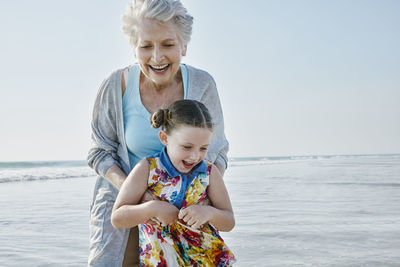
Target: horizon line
(229,158)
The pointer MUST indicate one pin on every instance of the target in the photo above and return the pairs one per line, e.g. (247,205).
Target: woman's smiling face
(159,50)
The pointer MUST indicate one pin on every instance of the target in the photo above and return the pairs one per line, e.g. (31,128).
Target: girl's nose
(194,156)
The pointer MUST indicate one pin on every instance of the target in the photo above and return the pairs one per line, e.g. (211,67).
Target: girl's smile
(186,146)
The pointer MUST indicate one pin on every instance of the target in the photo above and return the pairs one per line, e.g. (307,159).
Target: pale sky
(294,77)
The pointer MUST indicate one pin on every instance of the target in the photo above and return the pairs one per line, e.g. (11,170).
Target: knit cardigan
(108,139)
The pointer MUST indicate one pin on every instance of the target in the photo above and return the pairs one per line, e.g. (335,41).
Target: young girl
(177,229)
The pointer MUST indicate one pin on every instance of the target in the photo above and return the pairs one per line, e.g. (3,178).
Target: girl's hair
(182,112)
(161,10)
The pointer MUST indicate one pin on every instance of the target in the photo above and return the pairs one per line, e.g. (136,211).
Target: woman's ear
(184,50)
(163,137)
(134,51)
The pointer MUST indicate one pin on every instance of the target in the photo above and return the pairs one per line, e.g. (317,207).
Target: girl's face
(159,51)
(186,146)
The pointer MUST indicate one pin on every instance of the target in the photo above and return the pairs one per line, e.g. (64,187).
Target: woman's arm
(103,152)
(219,145)
(128,213)
(115,176)
(220,215)
(220,168)
(202,87)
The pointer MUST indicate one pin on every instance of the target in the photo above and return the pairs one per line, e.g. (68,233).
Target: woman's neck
(161,89)
(155,96)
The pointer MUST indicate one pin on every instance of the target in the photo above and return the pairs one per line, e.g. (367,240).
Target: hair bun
(160,118)
(165,116)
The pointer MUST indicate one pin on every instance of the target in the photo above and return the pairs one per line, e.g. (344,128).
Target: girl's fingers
(196,225)
(186,218)
(191,222)
(182,213)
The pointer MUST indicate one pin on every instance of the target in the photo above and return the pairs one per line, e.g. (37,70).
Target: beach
(45,223)
(294,211)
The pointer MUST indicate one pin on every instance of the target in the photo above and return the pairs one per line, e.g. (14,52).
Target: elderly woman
(159,31)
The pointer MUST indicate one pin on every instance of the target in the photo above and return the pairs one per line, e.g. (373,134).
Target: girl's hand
(195,215)
(166,213)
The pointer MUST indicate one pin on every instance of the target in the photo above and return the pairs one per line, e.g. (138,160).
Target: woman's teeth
(159,68)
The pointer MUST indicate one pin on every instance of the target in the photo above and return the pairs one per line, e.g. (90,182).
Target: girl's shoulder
(142,165)
(152,162)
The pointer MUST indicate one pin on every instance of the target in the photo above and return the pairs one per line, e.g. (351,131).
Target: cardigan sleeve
(218,150)
(103,152)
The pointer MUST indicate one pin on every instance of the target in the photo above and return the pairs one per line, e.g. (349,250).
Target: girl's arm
(128,213)
(220,215)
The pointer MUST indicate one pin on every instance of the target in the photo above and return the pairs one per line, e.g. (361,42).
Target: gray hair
(161,10)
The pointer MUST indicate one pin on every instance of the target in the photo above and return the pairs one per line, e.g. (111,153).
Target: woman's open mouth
(159,68)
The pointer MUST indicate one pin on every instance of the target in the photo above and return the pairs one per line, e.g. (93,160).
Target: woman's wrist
(223,220)
(153,207)
(115,176)
(220,168)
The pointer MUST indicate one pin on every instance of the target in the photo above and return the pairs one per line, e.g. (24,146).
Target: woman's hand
(195,215)
(166,213)
(148,196)
(205,202)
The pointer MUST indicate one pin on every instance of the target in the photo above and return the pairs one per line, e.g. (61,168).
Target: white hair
(161,10)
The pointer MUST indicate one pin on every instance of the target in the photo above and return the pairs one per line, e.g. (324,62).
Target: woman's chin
(164,77)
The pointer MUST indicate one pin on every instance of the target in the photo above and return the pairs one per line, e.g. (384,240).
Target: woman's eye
(145,46)
(187,147)
(168,45)
(204,149)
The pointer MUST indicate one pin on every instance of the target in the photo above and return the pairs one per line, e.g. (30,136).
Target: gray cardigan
(108,141)
(107,244)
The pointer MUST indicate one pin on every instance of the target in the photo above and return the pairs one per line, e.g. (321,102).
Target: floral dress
(178,244)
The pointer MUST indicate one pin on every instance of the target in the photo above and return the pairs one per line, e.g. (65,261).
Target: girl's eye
(187,147)
(145,46)
(168,45)
(204,148)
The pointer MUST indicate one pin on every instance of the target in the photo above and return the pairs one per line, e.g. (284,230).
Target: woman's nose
(157,55)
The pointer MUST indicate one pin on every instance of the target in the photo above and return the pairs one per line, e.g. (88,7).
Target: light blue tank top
(141,139)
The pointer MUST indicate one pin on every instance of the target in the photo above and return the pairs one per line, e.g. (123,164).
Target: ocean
(290,211)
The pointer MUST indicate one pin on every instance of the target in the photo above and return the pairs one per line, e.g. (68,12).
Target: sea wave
(249,161)
(41,164)
(43,173)
(48,170)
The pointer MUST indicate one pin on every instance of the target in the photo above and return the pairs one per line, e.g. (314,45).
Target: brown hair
(182,112)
